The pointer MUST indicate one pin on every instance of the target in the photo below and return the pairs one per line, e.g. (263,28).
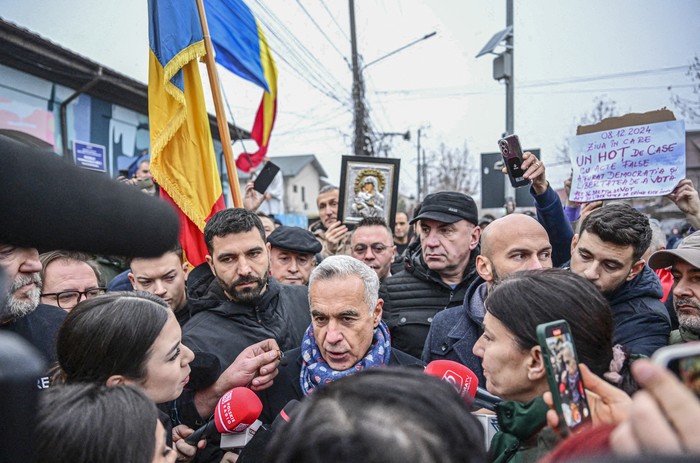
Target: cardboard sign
(627,161)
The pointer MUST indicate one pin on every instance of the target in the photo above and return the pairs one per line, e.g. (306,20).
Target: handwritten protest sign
(628,162)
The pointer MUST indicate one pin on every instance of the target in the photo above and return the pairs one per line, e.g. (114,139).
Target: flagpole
(219,107)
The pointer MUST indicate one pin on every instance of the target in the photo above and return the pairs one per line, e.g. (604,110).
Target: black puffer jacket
(413,296)
(224,328)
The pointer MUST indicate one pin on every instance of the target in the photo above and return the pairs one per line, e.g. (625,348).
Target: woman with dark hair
(512,359)
(134,339)
(127,339)
(387,415)
(85,423)
(139,336)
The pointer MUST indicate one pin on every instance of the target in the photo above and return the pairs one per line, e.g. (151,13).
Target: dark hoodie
(454,331)
(641,319)
(413,296)
(224,328)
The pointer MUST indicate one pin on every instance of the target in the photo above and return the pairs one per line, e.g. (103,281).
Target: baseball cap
(294,239)
(688,250)
(448,207)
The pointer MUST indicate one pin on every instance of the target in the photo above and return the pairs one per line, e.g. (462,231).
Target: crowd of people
(344,320)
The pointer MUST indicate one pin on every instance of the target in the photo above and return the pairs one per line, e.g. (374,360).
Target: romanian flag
(182,152)
(241,48)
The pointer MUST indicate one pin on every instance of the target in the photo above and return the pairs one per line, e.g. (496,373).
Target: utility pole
(360,147)
(510,80)
(424,171)
(419,196)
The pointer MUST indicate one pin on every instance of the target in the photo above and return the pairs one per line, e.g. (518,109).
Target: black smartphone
(563,375)
(265,177)
(513,159)
(684,361)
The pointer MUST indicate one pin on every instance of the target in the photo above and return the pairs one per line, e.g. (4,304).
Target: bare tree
(690,107)
(602,107)
(451,170)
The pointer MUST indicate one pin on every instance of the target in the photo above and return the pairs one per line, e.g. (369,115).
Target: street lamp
(503,69)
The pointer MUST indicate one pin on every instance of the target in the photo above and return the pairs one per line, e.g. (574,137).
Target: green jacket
(682,335)
(524,436)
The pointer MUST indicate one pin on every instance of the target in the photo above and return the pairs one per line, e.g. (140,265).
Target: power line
(529,91)
(314,81)
(306,59)
(575,80)
(322,32)
(334,21)
(541,83)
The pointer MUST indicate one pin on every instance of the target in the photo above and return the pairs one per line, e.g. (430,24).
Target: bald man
(509,244)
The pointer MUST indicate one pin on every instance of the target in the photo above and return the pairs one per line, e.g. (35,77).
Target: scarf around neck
(315,372)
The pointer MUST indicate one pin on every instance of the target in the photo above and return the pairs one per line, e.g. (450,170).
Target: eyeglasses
(69,299)
(377,248)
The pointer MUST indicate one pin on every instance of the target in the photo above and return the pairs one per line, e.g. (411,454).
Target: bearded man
(21,313)
(233,299)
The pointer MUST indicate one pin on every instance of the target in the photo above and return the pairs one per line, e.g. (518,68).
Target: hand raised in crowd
(251,198)
(255,368)
(588,208)
(685,196)
(534,171)
(608,404)
(335,236)
(662,418)
(185,451)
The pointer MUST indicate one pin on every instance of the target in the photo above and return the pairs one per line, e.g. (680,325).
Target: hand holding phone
(512,155)
(563,375)
(264,179)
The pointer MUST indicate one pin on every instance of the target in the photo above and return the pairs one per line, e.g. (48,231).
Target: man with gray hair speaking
(346,334)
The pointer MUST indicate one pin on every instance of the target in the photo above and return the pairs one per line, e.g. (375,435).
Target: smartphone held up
(684,361)
(563,375)
(512,154)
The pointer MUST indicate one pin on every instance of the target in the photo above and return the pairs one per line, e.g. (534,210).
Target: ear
(474,238)
(637,267)
(377,313)
(574,242)
(186,269)
(484,268)
(210,261)
(117,380)
(536,370)
(131,279)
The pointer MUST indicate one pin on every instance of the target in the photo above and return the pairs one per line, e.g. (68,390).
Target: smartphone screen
(684,361)
(563,373)
(264,179)
(513,159)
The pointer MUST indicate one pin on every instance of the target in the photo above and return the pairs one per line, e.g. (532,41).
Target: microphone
(464,381)
(235,411)
(485,399)
(459,376)
(255,450)
(56,205)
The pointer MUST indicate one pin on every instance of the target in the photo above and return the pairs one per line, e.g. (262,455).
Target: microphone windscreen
(459,376)
(49,203)
(236,410)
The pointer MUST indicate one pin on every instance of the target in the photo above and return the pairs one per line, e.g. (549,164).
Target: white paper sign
(643,160)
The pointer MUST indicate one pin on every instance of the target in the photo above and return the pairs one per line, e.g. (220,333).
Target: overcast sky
(566,55)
